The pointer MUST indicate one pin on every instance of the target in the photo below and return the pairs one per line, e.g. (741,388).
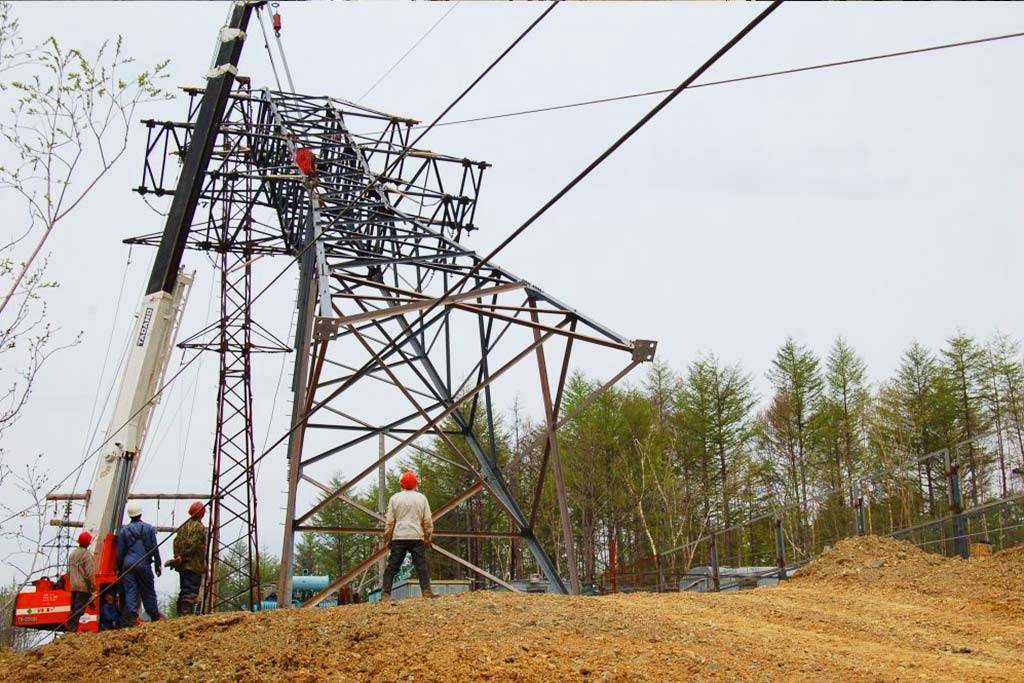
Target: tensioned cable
(608,152)
(399,339)
(738,79)
(266,44)
(284,58)
(277,389)
(407,53)
(91,430)
(192,408)
(113,433)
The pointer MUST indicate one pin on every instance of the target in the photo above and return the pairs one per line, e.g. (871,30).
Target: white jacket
(408,517)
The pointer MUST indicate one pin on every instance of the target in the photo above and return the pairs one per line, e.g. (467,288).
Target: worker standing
(137,549)
(190,558)
(82,572)
(408,527)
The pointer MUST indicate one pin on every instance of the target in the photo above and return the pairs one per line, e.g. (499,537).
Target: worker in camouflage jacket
(190,558)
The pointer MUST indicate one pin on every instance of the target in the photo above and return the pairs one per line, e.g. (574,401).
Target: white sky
(876,201)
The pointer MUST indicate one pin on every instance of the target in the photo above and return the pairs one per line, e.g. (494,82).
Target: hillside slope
(915,617)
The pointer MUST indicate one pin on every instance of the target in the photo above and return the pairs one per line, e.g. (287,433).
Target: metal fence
(944,502)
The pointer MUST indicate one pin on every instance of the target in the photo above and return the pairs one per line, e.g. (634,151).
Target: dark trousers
(138,582)
(79,601)
(188,591)
(397,557)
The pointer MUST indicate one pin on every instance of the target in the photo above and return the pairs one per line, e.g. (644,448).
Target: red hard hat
(84,539)
(197,510)
(409,480)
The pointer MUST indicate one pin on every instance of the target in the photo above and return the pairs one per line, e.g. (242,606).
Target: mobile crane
(46,603)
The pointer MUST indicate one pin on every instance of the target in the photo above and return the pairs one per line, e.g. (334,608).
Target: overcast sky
(879,202)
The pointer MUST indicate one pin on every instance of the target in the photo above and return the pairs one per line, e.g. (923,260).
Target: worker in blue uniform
(137,556)
(110,616)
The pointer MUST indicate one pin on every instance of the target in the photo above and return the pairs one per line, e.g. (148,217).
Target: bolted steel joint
(643,350)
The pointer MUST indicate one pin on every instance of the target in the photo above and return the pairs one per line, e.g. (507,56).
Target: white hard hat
(134,510)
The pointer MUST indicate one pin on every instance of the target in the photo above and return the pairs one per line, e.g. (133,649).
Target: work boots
(429,594)
(186,608)
(386,597)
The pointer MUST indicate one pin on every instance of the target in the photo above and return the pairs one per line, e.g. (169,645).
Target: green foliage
(658,465)
(66,125)
(232,587)
(10,637)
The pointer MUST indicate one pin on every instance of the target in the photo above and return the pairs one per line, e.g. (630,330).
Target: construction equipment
(46,603)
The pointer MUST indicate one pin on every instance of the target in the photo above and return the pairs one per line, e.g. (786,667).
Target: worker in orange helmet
(408,527)
(190,558)
(82,573)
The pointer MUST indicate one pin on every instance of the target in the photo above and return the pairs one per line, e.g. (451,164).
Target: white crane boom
(149,352)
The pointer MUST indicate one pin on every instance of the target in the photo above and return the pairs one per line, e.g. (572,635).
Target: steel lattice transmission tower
(401,330)
(230,234)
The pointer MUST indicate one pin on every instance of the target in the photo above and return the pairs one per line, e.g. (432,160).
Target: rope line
(738,79)
(399,339)
(266,44)
(407,53)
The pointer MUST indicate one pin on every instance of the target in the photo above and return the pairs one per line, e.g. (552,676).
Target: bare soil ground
(869,610)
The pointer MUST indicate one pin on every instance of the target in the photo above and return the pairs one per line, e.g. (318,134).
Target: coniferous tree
(963,365)
(919,409)
(791,418)
(848,397)
(715,404)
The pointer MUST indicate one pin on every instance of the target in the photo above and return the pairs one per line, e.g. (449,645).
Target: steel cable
(407,53)
(738,79)
(551,202)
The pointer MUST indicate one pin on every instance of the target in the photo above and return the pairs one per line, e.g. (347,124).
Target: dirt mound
(995,582)
(912,617)
(861,557)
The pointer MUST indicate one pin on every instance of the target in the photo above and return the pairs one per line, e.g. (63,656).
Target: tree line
(651,468)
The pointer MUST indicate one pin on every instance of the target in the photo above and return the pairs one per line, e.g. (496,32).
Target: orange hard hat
(84,539)
(409,480)
(197,510)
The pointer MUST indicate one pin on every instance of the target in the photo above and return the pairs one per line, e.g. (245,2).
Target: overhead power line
(407,53)
(675,92)
(399,339)
(111,434)
(738,79)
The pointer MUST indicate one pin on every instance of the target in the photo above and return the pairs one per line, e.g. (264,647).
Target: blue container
(305,582)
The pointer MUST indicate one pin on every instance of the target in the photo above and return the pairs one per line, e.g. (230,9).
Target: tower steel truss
(402,331)
(233,575)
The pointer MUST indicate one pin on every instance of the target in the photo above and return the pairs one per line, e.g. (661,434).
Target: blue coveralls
(136,549)
(109,617)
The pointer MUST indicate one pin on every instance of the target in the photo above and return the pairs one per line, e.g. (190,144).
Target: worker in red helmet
(408,527)
(190,558)
(82,574)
